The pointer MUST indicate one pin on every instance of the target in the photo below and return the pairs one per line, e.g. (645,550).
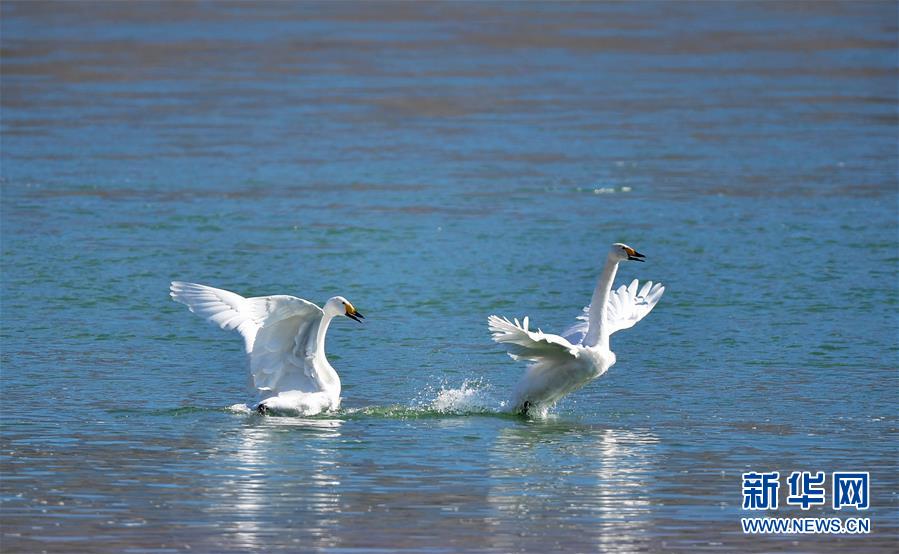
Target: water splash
(474,396)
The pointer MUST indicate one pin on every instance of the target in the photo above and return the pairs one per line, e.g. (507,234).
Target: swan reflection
(250,503)
(600,489)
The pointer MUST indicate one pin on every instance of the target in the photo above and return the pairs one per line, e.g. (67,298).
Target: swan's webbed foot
(523,409)
(262,409)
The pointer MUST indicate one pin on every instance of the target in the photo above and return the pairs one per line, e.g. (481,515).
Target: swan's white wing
(279,332)
(220,307)
(284,356)
(522,343)
(576,333)
(626,306)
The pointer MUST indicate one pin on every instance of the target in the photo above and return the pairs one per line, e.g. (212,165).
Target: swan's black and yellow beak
(353,314)
(633,255)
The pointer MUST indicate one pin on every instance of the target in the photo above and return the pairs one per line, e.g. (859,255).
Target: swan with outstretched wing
(562,364)
(284,337)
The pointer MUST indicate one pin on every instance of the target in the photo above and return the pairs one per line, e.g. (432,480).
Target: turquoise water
(435,164)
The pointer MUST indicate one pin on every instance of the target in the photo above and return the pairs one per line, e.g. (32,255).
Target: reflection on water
(248,500)
(589,473)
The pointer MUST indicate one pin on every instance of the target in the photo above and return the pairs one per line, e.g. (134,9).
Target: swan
(284,337)
(562,364)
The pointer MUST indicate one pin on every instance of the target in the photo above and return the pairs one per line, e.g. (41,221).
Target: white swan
(284,337)
(563,364)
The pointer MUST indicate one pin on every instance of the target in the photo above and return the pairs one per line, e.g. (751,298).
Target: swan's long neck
(327,378)
(322,331)
(597,333)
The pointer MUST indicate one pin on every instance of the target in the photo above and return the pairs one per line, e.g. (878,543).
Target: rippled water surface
(436,163)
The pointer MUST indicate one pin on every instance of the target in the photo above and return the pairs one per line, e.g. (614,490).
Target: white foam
(240,409)
(472,396)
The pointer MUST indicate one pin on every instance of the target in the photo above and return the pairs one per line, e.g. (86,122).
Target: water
(436,163)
